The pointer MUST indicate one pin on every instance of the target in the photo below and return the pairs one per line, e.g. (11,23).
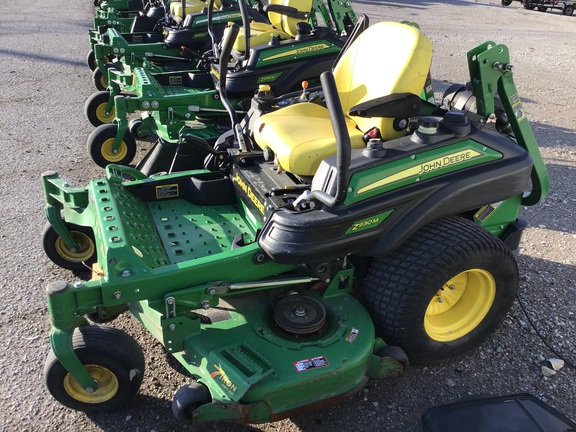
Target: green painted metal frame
(491,74)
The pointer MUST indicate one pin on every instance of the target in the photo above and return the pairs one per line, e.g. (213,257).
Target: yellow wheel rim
(109,155)
(104,81)
(460,305)
(107,385)
(85,249)
(102,116)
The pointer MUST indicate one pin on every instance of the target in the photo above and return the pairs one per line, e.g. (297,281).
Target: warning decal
(313,363)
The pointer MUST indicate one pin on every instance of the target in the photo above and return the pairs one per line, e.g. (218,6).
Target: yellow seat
(192,6)
(280,25)
(260,34)
(300,142)
(385,59)
(284,22)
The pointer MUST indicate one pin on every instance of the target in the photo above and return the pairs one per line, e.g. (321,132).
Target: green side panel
(283,54)
(418,167)
(497,216)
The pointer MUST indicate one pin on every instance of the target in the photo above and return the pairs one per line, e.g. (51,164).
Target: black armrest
(289,11)
(397,105)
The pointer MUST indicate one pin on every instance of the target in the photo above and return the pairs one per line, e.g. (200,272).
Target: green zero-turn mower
(173,48)
(159,16)
(120,5)
(181,104)
(250,271)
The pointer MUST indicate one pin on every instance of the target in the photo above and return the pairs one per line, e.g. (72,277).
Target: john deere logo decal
(448,160)
(298,51)
(249,193)
(424,167)
(221,376)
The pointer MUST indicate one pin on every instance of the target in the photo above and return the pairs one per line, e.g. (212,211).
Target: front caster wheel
(91,60)
(134,126)
(58,252)
(99,79)
(101,141)
(443,292)
(187,399)
(111,357)
(395,353)
(95,108)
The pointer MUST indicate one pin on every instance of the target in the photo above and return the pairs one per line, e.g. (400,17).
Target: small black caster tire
(187,399)
(394,352)
(91,60)
(133,126)
(103,316)
(99,79)
(112,358)
(59,253)
(95,108)
(100,143)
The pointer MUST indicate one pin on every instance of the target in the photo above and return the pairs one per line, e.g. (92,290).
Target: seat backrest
(192,7)
(386,58)
(286,23)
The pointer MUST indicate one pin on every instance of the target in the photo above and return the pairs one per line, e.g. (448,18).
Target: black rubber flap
(516,413)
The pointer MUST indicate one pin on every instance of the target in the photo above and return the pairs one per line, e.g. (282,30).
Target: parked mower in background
(249,270)
(120,5)
(168,48)
(185,105)
(567,7)
(157,17)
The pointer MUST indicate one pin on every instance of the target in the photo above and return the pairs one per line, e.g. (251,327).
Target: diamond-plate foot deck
(188,231)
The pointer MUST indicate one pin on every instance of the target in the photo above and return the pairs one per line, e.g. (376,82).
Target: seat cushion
(301,136)
(260,34)
(192,7)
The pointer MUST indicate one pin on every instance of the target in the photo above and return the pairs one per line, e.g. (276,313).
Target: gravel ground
(44,85)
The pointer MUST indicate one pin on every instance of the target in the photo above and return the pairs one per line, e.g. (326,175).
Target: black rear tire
(443,292)
(568,10)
